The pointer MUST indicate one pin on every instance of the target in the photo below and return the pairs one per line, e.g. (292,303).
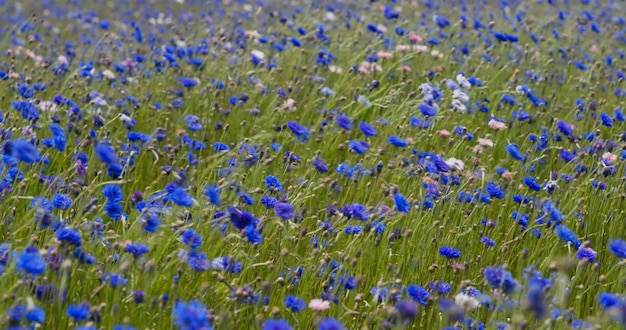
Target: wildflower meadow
(333,164)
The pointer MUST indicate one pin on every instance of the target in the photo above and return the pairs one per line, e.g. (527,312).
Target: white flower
(458,105)
(455,164)
(460,95)
(258,54)
(463,81)
(466,302)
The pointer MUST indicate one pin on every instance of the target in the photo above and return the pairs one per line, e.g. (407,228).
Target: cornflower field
(333,164)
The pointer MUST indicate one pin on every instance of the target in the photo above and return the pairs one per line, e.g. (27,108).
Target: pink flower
(609,157)
(485,143)
(415,38)
(319,305)
(62,60)
(498,126)
(595,49)
(385,55)
(335,69)
(444,133)
(405,68)
(403,48)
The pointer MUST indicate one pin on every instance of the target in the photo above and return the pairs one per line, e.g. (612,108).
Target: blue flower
(191,315)
(213,193)
(294,304)
(407,310)
(497,277)
(449,252)
(69,236)
(367,129)
(427,110)
(494,190)
(360,147)
(36,314)
(284,211)
(113,193)
(301,132)
(344,122)
(320,165)
(419,294)
(402,204)
(198,261)
(532,184)
(114,279)
(180,197)
(24,151)
(276,324)
(513,151)
(487,241)
(567,235)
(61,201)
(273,184)
(137,249)
(78,312)
(397,142)
(106,154)
(191,238)
(30,261)
(618,248)
(586,253)
(328,323)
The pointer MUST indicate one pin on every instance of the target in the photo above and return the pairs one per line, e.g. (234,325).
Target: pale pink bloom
(409,140)
(485,143)
(381,28)
(335,69)
(403,48)
(609,157)
(478,149)
(509,176)
(429,181)
(415,38)
(444,133)
(420,48)
(363,70)
(498,126)
(595,49)
(319,305)
(39,62)
(30,53)
(47,106)
(385,55)
(377,68)
(63,60)
(290,104)
(14,75)
(405,68)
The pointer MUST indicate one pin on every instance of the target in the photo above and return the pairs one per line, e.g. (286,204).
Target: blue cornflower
(402,204)
(276,324)
(440,287)
(180,197)
(284,210)
(587,253)
(61,201)
(69,236)
(241,219)
(269,201)
(513,151)
(494,190)
(253,235)
(294,304)
(532,184)
(137,249)
(320,165)
(213,193)
(567,235)
(301,132)
(273,184)
(606,120)
(113,193)
(367,129)
(24,151)
(78,312)
(31,262)
(344,122)
(449,252)
(565,128)
(191,238)
(198,261)
(328,323)
(497,277)
(191,315)
(419,294)
(427,110)
(106,154)
(487,241)
(360,147)
(618,248)
(397,142)
(114,279)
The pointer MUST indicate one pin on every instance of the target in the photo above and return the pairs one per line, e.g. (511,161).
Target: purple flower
(587,253)
(284,211)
